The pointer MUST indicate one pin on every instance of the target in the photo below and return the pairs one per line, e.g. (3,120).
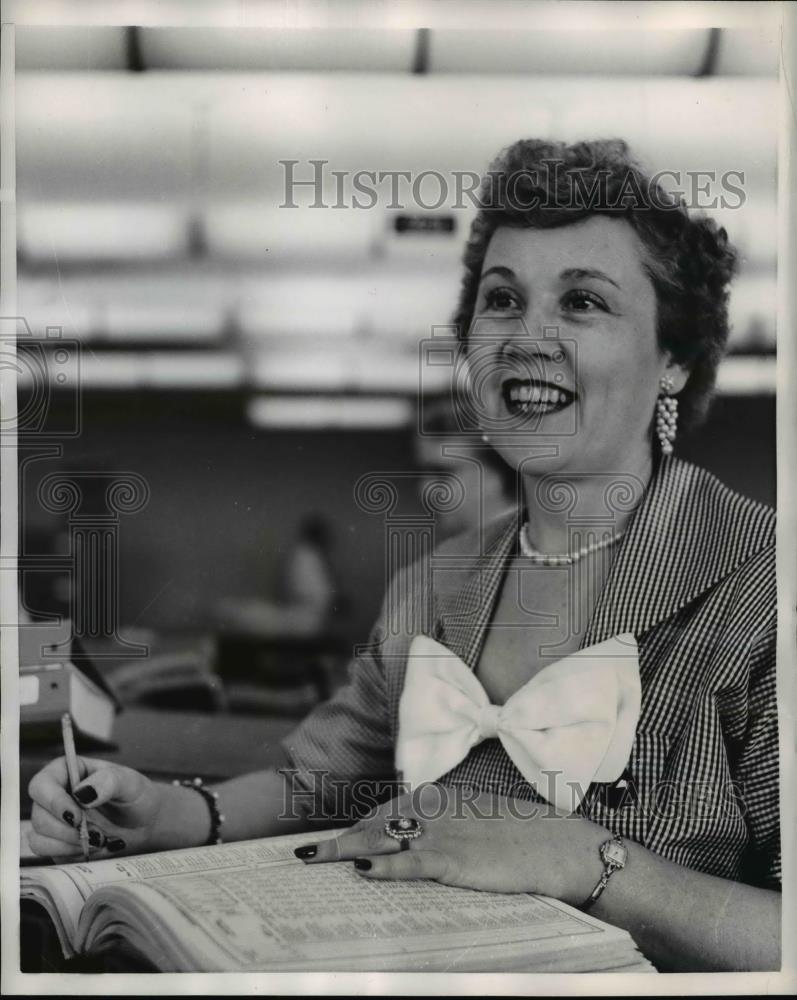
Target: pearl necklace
(568,558)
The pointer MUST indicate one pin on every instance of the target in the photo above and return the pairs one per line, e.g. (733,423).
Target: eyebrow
(504,272)
(570,274)
(577,273)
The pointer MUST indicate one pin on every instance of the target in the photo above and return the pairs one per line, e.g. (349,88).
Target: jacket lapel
(688,533)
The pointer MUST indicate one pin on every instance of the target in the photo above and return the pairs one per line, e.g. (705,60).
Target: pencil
(73,770)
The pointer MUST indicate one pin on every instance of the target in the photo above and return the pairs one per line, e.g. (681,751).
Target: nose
(532,356)
(529,345)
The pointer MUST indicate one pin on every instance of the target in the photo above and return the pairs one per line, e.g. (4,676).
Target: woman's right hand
(121,808)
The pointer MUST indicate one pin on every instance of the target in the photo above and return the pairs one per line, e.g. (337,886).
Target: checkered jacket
(694,580)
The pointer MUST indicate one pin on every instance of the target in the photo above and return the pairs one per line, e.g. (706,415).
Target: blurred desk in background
(284,675)
(166,745)
(268,674)
(177,672)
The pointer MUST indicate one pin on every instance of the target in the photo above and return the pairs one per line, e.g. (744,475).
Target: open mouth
(523,396)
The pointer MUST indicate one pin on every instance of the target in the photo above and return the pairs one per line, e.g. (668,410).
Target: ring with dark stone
(404,830)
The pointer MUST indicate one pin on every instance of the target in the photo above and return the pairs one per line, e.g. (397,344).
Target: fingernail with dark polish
(69,817)
(362,864)
(308,851)
(86,794)
(95,838)
(116,844)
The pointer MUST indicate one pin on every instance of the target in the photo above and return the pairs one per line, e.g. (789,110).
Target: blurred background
(251,362)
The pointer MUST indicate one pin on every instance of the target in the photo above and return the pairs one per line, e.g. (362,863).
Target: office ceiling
(150,182)
(627,51)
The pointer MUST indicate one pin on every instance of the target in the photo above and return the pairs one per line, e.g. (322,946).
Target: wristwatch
(614,855)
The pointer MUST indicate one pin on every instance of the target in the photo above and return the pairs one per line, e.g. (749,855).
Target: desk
(167,745)
(290,672)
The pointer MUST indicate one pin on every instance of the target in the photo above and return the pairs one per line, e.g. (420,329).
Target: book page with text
(262,908)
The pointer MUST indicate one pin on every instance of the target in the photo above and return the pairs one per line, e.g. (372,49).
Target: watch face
(615,853)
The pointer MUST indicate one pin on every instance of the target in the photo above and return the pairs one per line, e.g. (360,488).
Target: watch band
(613,854)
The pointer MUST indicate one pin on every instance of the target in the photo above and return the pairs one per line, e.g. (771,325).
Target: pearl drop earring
(666,415)
(485,439)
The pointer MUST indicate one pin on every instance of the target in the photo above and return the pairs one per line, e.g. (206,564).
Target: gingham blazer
(694,580)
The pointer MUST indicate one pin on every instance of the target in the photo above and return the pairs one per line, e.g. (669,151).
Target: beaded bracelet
(212,799)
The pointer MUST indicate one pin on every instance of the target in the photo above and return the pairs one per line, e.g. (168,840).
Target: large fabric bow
(573,723)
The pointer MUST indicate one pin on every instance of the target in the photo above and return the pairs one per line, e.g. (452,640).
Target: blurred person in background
(307,591)
(593,715)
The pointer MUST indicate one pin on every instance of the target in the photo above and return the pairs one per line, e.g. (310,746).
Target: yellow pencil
(73,770)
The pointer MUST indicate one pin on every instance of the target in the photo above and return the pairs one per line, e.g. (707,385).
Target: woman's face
(563,355)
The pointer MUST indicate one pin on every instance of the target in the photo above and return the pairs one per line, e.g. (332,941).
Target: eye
(581,301)
(502,299)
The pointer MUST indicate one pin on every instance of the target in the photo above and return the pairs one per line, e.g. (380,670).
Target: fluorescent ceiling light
(75,319)
(409,306)
(109,371)
(309,313)
(204,370)
(356,366)
(128,321)
(211,370)
(391,306)
(141,136)
(66,231)
(320,370)
(269,234)
(342,412)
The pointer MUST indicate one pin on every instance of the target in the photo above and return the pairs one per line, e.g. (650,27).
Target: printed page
(91,875)
(263,908)
(63,889)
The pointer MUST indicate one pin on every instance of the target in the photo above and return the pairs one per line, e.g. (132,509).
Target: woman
(610,648)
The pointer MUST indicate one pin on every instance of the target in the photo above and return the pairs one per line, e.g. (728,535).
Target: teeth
(526,395)
(536,394)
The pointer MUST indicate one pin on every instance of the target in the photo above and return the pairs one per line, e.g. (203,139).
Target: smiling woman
(576,321)
(688,262)
(589,713)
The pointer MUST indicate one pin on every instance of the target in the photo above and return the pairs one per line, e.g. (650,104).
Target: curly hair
(539,184)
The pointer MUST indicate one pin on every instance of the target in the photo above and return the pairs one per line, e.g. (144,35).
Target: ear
(677,373)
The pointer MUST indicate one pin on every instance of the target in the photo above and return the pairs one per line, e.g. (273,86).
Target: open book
(252,906)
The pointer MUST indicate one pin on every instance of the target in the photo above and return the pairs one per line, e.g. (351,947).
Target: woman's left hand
(486,842)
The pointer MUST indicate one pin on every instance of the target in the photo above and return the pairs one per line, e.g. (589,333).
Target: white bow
(573,723)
